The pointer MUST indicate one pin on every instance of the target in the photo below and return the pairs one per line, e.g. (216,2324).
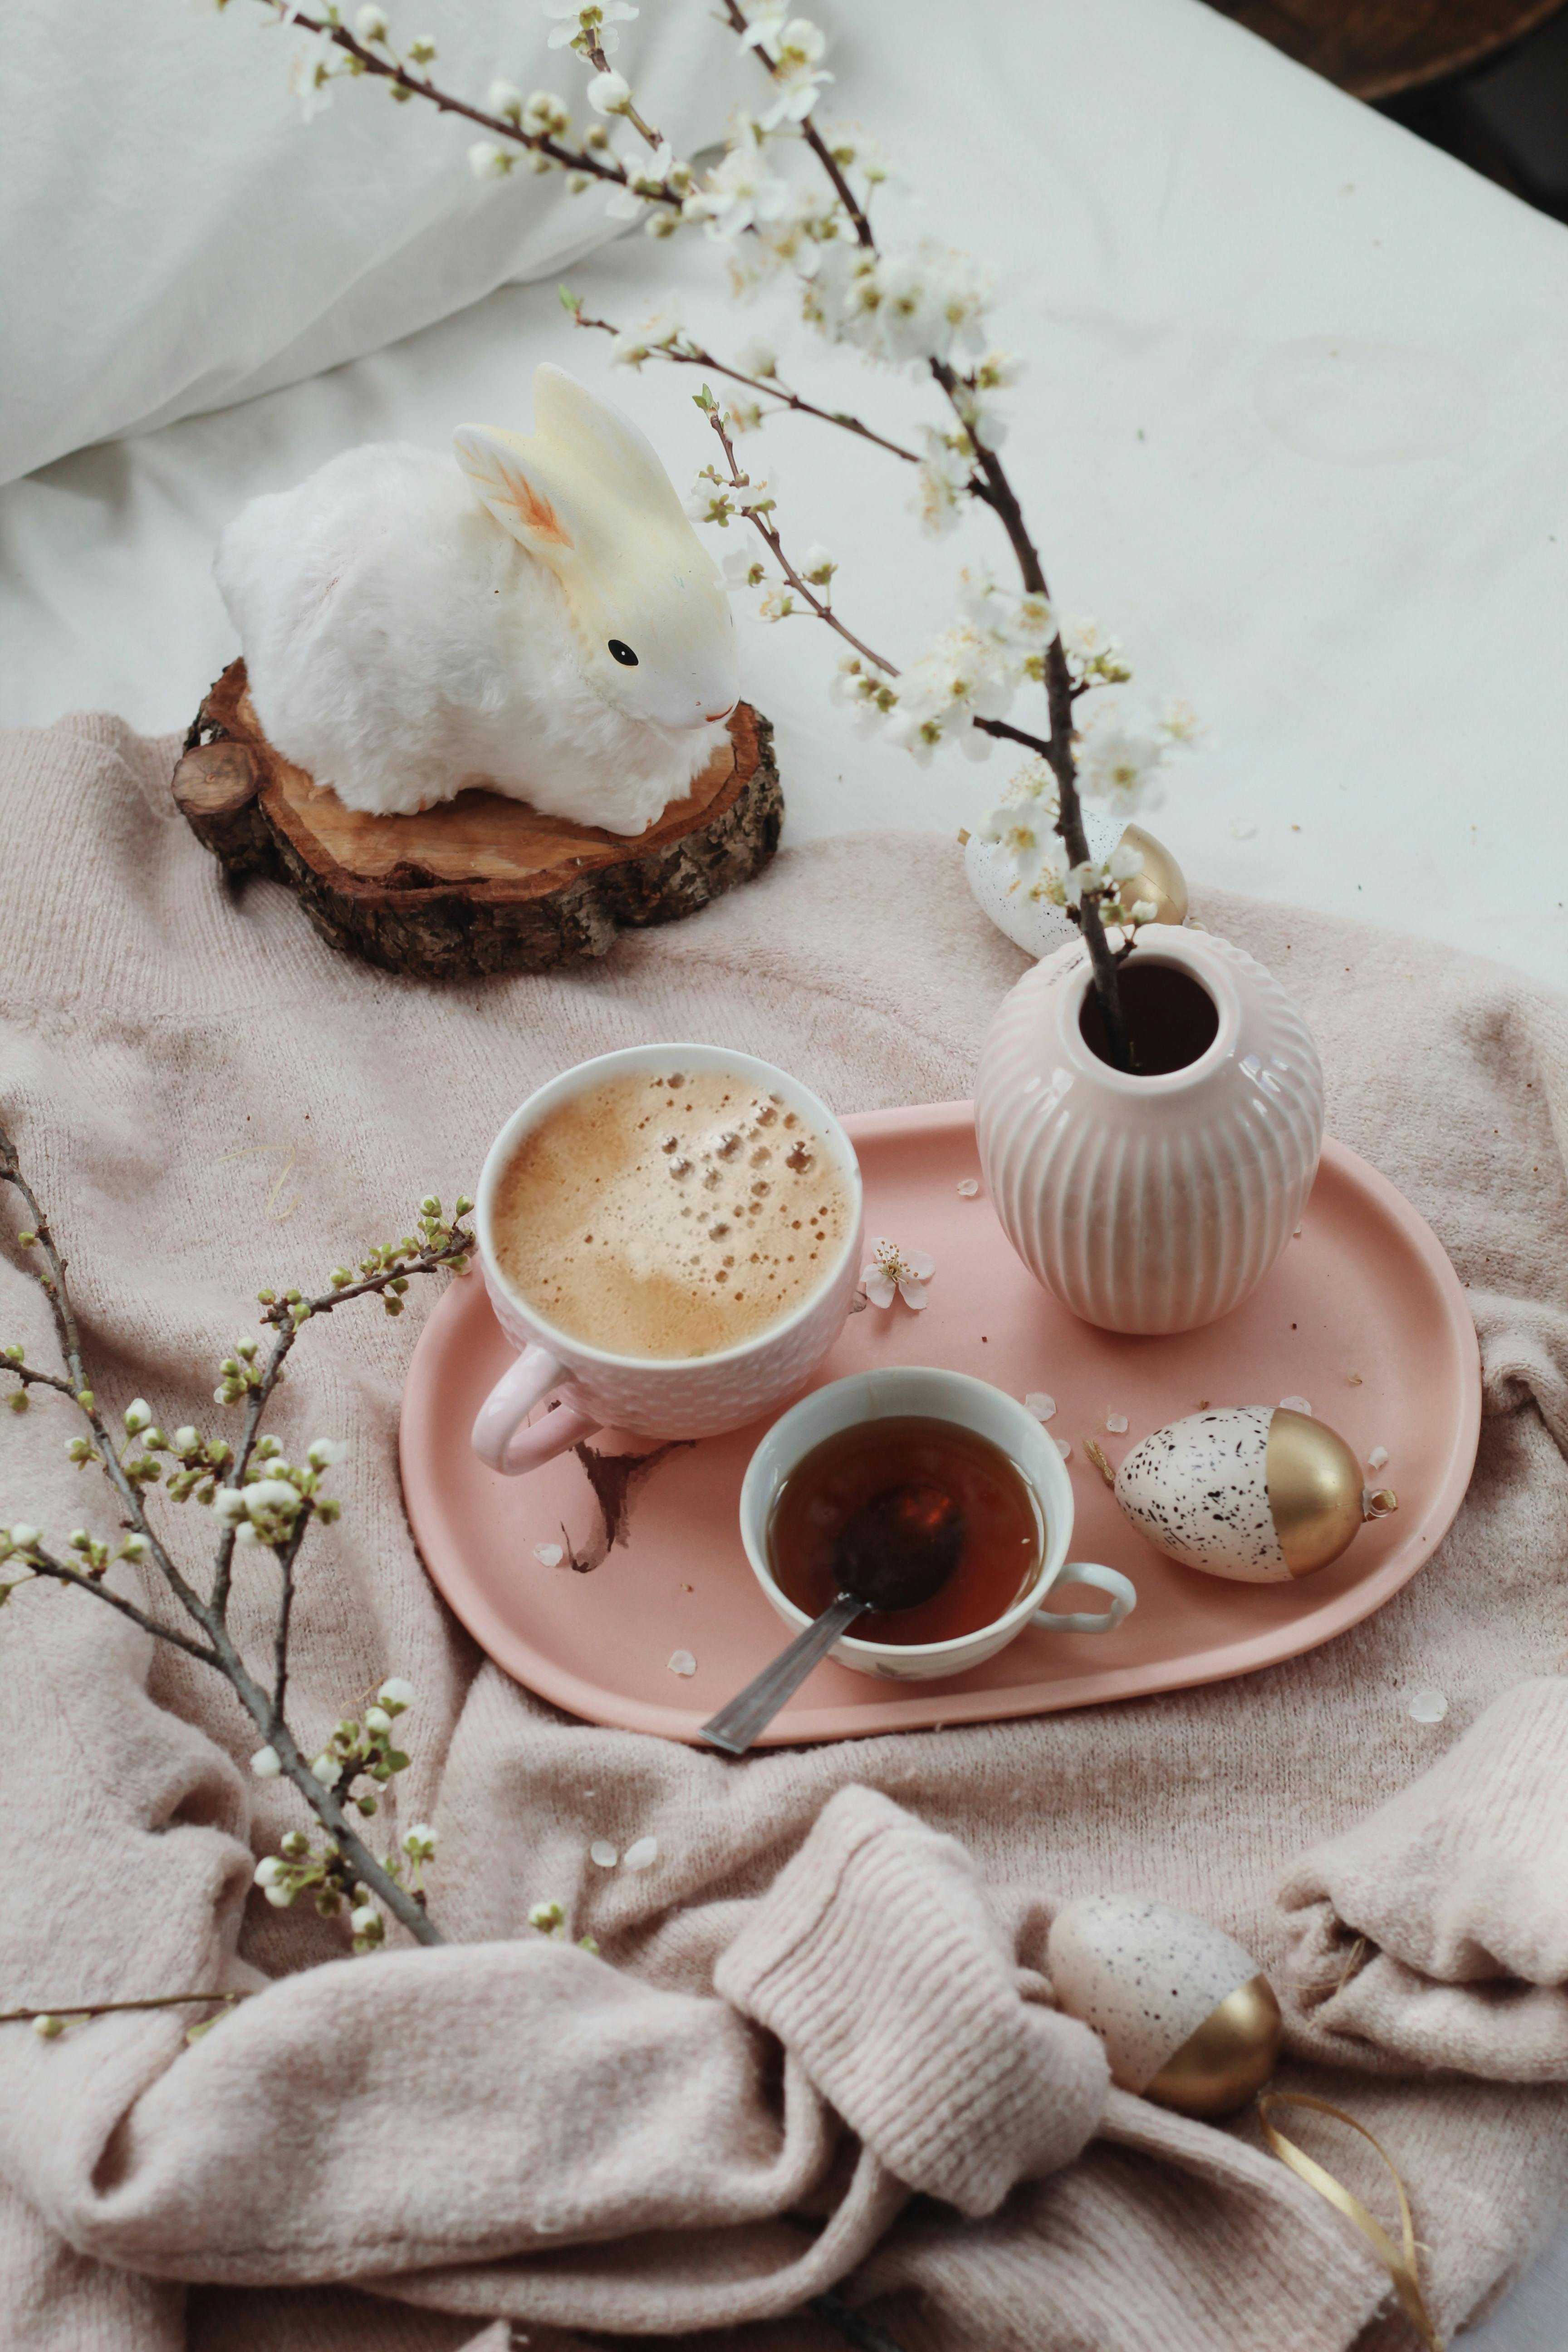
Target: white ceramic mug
(969,1404)
(653,1396)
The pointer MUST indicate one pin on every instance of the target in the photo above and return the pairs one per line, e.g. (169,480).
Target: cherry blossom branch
(273,1507)
(685,353)
(404,85)
(757,516)
(49,2022)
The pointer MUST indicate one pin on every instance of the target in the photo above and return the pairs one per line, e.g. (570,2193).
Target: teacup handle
(500,1437)
(1123,1599)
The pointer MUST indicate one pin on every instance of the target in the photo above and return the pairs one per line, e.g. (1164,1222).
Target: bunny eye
(623,653)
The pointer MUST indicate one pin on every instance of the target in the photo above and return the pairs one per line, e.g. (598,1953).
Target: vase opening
(1172,1019)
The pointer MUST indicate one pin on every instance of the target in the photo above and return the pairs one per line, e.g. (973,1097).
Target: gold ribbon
(1400,2265)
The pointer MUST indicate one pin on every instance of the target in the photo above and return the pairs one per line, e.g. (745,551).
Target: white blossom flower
(266,1764)
(545,116)
(740,193)
(757,358)
(137,1416)
(890,1269)
(376,1719)
(657,332)
(325,1769)
(418,1841)
(370,25)
(364,1919)
(268,1872)
(609,93)
(798,75)
(186,1439)
(1117,765)
(505,99)
(819,564)
(310,73)
(489,161)
(48,2028)
(326,1453)
(395,1695)
(941,483)
(1142,911)
(597,20)
(741,569)
(228,1505)
(908,307)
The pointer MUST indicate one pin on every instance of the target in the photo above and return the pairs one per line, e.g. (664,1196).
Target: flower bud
(365,1920)
(370,25)
(137,1416)
(269,1872)
(394,1694)
(376,1719)
(48,2029)
(23,1537)
(266,1764)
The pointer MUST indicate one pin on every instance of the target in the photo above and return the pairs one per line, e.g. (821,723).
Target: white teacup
(969,1404)
(652,1396)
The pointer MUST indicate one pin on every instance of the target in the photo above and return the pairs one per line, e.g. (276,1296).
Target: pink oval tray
(1365,1288)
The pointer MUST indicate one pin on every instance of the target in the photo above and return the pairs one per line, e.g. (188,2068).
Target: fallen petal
(549,1555)
(603,1854)
(1042,1406)
(681,1662)
(642,1856)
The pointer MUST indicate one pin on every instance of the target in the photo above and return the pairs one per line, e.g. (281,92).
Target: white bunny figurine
(544,621)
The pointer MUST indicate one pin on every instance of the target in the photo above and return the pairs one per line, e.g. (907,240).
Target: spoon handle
(735,1726)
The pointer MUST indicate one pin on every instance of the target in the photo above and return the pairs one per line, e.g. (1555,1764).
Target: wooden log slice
(481,883)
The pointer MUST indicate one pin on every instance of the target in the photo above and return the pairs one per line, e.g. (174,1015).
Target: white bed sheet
(1294,425)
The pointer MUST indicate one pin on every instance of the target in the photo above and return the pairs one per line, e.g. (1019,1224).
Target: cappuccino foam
(669,1213)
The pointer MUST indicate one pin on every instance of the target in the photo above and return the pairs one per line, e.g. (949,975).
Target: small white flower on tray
(890,1269)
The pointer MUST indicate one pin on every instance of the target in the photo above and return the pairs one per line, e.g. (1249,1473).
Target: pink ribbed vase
(1150,1204)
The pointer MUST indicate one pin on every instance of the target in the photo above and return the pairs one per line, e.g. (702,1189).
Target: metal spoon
(898,1549)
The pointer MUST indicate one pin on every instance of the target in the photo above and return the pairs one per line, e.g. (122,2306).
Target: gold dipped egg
(1038,926)
(1187,2018)
(1258,1493)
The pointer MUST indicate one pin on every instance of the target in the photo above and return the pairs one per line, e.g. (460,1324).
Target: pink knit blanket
(817,2044)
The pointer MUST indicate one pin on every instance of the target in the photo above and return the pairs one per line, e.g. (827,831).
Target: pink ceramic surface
(659,1398)
(1150,1204)
(1366,1289)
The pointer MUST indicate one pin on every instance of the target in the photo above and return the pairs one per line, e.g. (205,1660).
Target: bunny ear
(506,473)
(605,445)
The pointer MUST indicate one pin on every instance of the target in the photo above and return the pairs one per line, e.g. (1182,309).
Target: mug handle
(1123,1599)
(500,1437)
